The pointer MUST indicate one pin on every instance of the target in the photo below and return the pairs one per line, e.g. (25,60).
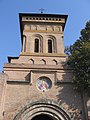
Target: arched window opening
(36,45)
(49,46)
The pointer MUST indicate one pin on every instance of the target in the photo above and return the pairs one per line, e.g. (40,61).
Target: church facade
(38,85)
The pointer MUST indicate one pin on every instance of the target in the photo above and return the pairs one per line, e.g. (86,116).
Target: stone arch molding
(51,36)
(37,36)
(42,107)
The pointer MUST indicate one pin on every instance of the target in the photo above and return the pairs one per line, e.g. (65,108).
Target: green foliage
(79,59)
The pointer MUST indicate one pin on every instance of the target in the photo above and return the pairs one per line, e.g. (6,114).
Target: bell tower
(42,33)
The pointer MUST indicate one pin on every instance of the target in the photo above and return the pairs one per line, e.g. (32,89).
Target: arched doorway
(42,117)
(42,110)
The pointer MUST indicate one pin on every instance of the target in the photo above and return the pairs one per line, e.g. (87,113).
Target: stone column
(24,44)
(44,44)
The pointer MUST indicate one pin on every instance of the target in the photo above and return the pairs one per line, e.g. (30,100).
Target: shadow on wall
(27,77)
(87,102)
(69,98)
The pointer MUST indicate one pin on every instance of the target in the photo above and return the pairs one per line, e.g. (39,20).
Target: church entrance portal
(42,110)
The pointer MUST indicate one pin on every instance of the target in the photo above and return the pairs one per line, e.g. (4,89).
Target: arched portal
(46,109)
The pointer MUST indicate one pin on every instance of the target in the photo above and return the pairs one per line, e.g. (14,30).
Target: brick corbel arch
(45,107)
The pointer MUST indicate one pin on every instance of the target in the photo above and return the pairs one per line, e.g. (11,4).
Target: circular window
(44,84)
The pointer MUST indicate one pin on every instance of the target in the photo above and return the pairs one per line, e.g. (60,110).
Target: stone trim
(42,54)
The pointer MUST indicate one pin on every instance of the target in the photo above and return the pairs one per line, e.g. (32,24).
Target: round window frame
(48,79)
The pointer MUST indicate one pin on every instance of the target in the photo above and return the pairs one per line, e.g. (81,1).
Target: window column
(24,44)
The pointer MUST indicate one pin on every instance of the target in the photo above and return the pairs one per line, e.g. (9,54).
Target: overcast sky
(78,12)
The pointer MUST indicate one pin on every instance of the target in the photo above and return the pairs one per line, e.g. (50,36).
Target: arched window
(36,47)
(38,43)
(50,46)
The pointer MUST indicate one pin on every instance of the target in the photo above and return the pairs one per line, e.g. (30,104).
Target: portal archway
(42,109)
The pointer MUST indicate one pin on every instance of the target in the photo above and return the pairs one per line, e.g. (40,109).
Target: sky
(78,12)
